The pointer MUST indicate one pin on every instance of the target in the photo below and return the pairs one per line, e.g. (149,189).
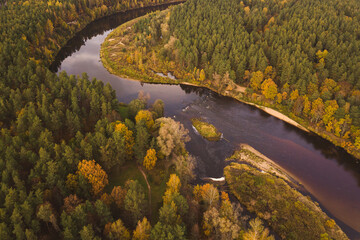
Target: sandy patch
(240,88)
(266,165)
(283,117)
(277,114)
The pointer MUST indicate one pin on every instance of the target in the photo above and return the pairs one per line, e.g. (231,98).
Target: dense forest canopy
(67,146)
(62,135)
(65,142)
(301,57)
(292,36)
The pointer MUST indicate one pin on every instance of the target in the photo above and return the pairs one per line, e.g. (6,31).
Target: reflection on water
(327,172)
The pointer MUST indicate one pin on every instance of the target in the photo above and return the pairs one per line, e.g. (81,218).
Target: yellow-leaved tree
(256,80)
(174,183)
(173,187)
(117,230)
(150,159)
(143,230)
(206,192)
(269,89)
(128,136)
(95,175)
(146,116)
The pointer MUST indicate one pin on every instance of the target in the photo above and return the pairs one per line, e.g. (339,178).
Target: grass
(207,130)
(288,212)
(130,171)
(124,112)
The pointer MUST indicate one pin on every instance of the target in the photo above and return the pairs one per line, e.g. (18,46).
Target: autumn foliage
(128,136)
(207,192)
(150,159)
(71,202)
(143,229)
(118,195)
(93,172)
(146,116)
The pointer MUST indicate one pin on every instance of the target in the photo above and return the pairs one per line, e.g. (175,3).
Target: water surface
(327,172)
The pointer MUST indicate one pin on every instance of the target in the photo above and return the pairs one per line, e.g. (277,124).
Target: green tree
(142,141)
(87,233)
(118,231)
(135,202)
(158,108)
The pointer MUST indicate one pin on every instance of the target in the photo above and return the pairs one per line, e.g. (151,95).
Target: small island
(205,129)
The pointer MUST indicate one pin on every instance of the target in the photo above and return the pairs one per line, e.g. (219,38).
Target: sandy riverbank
(268,190)
(264,164)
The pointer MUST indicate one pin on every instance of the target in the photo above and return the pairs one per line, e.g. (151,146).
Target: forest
(65,140)
(299,57)
(303,55)
(75,163)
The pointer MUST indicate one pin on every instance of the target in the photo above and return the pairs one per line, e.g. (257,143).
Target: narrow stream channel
(328,173)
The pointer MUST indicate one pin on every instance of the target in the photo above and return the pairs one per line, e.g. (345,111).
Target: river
(328,173)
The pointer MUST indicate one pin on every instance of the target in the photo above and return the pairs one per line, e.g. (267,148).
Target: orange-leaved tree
(95,175)
(118,194)
(206,192)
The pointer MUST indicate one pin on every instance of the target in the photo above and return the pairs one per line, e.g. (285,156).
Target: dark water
(328,173)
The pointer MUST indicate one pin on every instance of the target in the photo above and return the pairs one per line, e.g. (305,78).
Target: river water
(328,173)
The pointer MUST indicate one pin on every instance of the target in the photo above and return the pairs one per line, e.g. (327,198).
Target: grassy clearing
(130,171)
(207,130)
(290,214)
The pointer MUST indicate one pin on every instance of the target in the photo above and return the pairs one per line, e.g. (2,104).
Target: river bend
(328,173)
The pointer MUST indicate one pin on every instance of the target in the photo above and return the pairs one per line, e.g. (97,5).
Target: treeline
(301,57)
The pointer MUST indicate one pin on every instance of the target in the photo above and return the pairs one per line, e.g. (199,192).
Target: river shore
(238,93)
(271,192)
(264,164)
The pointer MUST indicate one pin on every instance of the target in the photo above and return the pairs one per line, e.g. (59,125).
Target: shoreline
(248,159)
(56,53)
(143,78)
(241,89)
(268,166)
(268,110)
